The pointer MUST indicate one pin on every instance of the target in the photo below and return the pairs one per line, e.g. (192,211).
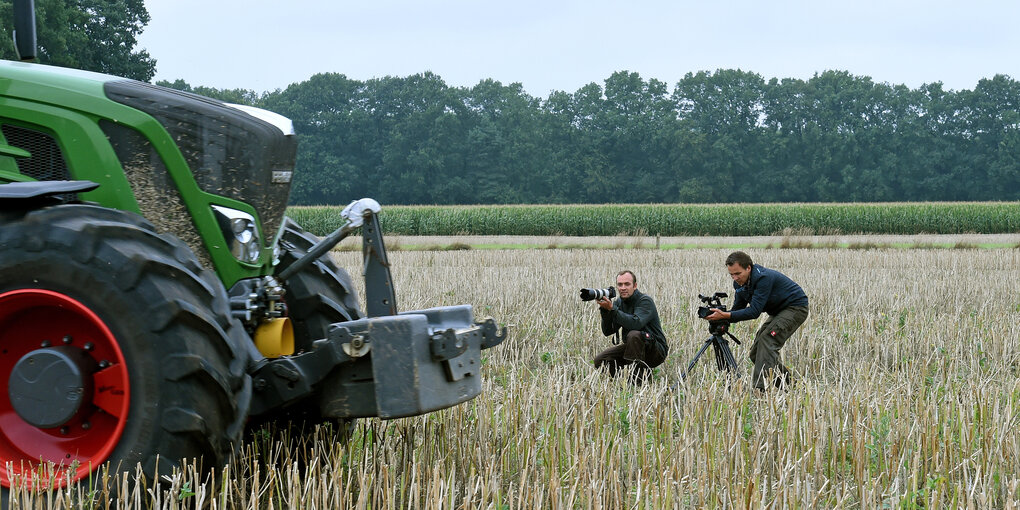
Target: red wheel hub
(42,326)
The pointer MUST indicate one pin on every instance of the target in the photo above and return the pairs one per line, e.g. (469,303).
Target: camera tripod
(723,356)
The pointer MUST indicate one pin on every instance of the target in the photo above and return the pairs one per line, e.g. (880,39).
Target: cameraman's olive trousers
(636,348)
(773,334)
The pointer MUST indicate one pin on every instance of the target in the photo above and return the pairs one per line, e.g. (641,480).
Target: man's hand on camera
(605,303)
(718,315)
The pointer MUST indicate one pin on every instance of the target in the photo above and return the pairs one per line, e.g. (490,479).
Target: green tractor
(154,297)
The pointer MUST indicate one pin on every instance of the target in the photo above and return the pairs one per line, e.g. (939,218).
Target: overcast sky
(563,45)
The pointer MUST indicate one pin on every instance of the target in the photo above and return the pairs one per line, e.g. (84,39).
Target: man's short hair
(739,257)
(628,271)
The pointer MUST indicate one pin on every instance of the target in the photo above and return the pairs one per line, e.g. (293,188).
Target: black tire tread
(185,325)
(317,296)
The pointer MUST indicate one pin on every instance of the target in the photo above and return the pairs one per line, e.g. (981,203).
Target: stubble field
(908,396)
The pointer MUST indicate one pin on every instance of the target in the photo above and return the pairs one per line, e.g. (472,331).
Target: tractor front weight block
(390,366)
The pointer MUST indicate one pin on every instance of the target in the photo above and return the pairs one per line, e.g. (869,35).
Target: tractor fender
(34,190)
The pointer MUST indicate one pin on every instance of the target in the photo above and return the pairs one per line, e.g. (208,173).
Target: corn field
(681,219)
(908,396)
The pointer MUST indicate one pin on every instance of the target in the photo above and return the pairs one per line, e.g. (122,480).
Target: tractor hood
(234,151)
(181,154)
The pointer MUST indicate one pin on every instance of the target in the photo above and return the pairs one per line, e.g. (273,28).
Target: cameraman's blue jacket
(767,290)
(636,313)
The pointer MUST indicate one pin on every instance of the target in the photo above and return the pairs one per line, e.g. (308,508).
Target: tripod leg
(724,360)
(695,360)
(720,361)
(730,361)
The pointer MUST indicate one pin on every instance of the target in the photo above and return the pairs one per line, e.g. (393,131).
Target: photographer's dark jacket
(767,290)
(636,313)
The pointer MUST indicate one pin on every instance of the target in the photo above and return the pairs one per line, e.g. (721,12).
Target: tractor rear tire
(162,360)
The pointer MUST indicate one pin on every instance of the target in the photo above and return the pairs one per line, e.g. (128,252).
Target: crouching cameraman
(759,289)
(644,343)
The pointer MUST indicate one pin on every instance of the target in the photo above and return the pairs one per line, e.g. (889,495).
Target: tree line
(95,35)
(723,136)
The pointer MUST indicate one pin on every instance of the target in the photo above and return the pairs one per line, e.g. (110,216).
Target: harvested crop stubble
(909,394)
(908,390)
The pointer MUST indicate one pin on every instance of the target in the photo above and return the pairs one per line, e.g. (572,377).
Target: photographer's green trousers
(637,348)
(773,334)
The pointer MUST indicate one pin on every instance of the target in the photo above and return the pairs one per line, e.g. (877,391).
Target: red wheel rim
(29,320)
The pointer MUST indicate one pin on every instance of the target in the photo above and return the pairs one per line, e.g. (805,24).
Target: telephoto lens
(593,294)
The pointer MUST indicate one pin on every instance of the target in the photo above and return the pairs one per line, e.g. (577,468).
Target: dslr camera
(593,294)
(711,302)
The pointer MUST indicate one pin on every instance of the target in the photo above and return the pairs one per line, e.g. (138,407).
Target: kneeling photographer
(644,343)
(759,289)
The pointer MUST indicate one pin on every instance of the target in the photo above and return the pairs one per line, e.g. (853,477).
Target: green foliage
(716,137)
(95,35)
(186,492)
(879,442)
(681,220)
(623,416)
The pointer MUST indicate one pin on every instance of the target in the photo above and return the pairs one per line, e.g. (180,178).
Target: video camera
(719,327)
(713,301)
(593,294)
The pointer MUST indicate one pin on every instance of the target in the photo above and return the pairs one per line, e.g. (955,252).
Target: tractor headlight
(240,232)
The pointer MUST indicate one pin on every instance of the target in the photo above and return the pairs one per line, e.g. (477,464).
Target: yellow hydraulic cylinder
(275,338)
